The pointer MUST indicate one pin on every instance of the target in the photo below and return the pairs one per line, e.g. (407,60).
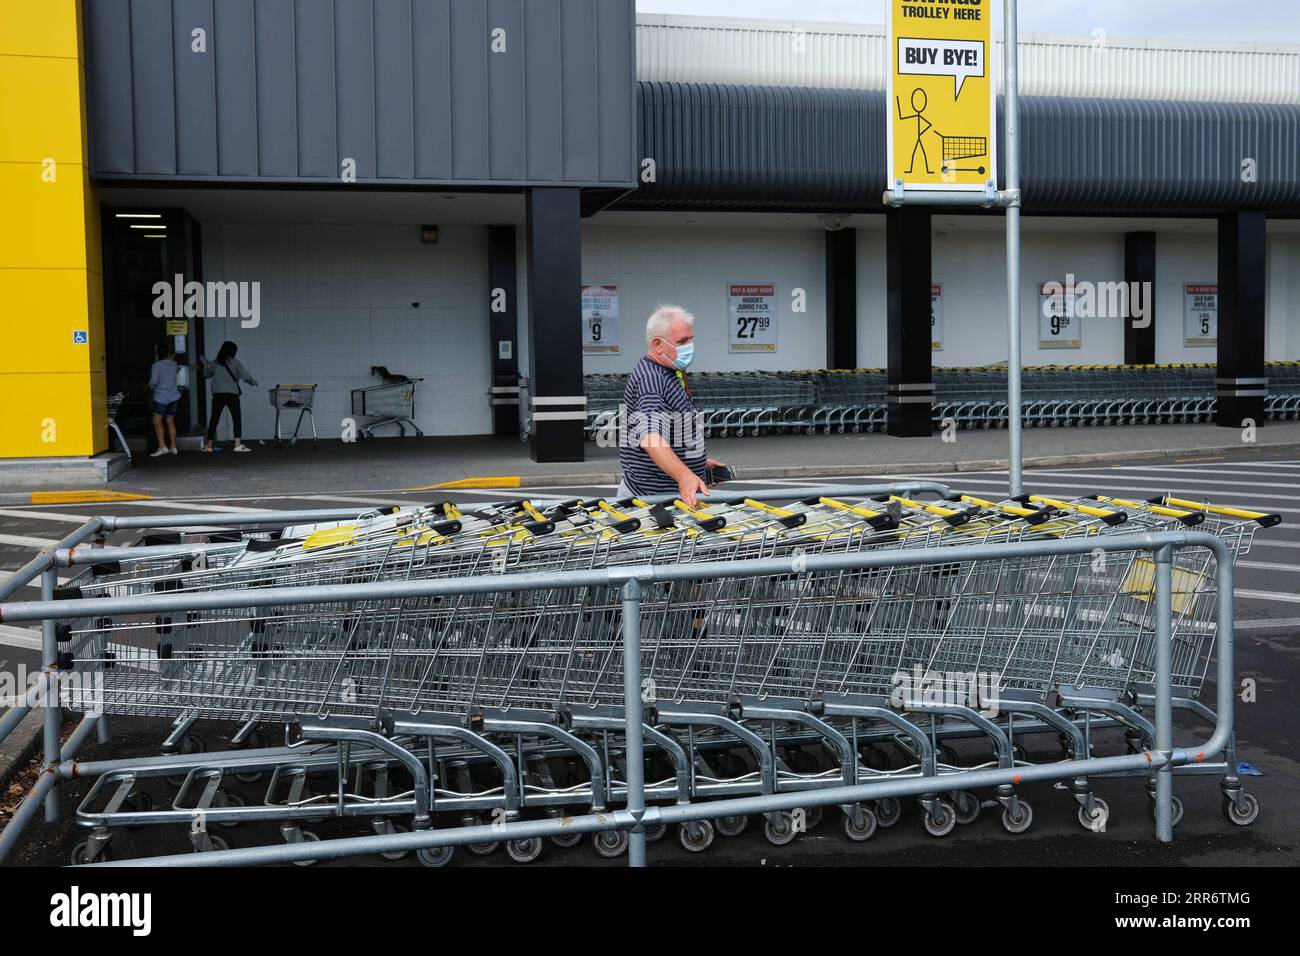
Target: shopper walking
(166,399)
(226,373)
(661,444)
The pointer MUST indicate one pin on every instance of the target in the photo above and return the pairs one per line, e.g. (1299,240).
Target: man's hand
(689,485)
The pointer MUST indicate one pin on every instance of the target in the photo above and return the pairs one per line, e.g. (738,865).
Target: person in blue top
(166,399)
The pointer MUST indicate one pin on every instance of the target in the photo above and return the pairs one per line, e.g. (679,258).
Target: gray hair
(661,319)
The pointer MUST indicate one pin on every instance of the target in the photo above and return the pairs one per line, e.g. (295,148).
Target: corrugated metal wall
(407,88)
(729,147)
(853,56)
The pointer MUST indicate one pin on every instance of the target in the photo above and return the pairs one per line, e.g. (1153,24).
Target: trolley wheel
(810,430)
(566,840)
(812,817)
(230,800)
(888,811)
(138,802)
(941,821)
(1177,814)
(610,843)
(656,833)
(1095,821)
(396,854)
(876,757)
(222,843)
(731,826)
(948,755)
(696,835)
(307,837)
(1019,822)
(967,806)
(79,855)
(781,833)
(524,851)
(435,856)
(1240,817)
(484,849)
(862,832)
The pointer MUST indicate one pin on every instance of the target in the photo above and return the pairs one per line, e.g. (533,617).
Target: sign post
(941,136)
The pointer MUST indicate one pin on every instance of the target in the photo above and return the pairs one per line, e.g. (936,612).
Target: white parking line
(23,541)
(407,502)
(189,506)
(1210,469)
(23,637)
(1267,596)
(1268,566)
(33,583)
(45,515)
(1261,624)
(1193,478)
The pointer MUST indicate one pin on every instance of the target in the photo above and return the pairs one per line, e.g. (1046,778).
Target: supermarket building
(429,185)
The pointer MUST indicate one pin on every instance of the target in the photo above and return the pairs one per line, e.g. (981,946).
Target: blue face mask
(685,355)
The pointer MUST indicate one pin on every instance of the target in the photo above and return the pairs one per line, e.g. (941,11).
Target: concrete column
(1242,385)
(555,324)
(910,389)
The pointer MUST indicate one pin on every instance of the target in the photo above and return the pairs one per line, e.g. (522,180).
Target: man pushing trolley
(661,435)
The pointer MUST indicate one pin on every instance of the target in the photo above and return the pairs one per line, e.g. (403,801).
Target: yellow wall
(52,390)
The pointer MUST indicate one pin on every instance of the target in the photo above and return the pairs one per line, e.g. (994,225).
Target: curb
(17,749)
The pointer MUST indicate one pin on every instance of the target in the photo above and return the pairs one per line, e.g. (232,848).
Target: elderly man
(661,448)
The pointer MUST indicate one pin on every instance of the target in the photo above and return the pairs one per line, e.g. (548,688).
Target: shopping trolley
(291,398)
(484,675)
(114,405)
(963,147)
(392,403)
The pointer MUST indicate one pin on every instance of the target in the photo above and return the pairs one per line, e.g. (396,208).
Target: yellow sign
(178,327)
(940,98)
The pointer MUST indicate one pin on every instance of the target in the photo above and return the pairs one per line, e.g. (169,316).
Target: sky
(1257,21)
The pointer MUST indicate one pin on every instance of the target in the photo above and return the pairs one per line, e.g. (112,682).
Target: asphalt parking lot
(1268,610)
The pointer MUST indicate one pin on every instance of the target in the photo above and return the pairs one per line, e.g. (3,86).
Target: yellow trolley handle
(623,523)
(878,520)
(1031,516)
(1263,519)
(1107,516)
(1186,517)
(703,519)
(951,516)
(786,517)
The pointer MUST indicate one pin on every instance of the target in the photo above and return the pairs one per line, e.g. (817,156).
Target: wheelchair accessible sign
(941,95)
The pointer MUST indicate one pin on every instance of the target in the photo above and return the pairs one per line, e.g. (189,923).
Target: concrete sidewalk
(387,464)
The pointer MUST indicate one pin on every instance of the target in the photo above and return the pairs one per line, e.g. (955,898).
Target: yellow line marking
(84,497)
(501,481)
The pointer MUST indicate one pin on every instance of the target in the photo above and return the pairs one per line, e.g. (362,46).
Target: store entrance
(142,248)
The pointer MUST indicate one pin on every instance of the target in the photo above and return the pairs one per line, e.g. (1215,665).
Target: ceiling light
(139,215)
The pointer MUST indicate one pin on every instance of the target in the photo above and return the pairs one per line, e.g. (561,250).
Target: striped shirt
(655,400)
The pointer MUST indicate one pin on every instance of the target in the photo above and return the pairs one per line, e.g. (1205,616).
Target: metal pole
(1164,704)
(53,712)
(633,718)
(1012,156)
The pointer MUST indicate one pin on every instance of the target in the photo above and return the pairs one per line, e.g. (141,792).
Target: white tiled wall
(337,300)
(693,267)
